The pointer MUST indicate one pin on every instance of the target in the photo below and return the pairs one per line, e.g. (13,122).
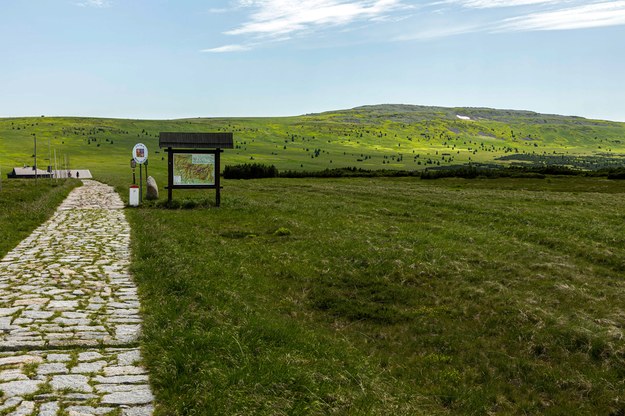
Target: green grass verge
(24,205)
(387,296)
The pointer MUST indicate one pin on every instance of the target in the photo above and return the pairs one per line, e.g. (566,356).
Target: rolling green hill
(371,137)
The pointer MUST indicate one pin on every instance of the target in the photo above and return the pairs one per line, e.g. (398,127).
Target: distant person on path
(77,174)
(69,173)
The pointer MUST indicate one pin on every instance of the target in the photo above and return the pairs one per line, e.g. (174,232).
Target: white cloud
(279,17)
(227,48)
(277,20)
(610,13)
(439,32)
(490,4)
(94,3)
(542,15)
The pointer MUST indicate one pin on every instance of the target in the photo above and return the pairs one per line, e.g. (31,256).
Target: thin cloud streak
(280,17)
(611,13)
(492,4)
(429,34)
(279,20)
(94,3)
(227,48)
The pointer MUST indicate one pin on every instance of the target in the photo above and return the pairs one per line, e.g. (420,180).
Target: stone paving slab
(75,382)
(67,288)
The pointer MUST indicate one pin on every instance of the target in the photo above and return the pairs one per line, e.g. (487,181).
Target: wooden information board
(193,160)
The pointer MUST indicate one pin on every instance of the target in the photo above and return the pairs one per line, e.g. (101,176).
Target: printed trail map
(194,169)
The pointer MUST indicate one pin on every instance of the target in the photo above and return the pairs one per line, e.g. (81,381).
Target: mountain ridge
(475,113)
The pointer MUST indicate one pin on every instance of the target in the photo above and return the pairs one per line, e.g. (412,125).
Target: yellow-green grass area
(387,296)
(376,137)
(25,204)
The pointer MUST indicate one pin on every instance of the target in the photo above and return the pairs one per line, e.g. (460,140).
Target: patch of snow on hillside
(463,117)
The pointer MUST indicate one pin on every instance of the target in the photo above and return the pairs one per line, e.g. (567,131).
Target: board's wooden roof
(196,140)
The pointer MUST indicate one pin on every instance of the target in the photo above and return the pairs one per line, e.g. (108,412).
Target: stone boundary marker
(69,315)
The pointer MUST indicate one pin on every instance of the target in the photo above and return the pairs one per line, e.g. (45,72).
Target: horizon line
(190,117)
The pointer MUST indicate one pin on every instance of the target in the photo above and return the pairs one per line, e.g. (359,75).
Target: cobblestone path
(69,315)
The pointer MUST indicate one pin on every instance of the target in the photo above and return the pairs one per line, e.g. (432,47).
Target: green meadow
(372,137)
(369,296)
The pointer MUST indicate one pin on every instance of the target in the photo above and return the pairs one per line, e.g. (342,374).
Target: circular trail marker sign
(140,153)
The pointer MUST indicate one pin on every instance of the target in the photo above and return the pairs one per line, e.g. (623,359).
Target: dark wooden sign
(193,160)
(196,140)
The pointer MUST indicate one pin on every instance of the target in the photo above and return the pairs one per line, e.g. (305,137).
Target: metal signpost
(35,156)
(140,156)
(133,165)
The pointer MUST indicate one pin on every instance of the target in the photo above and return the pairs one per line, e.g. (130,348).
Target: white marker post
(140,155)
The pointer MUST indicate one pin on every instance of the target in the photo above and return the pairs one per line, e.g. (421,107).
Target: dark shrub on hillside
(473,172)
(347,172)
(250,171)
(467,172)
(557,170)
(616,174)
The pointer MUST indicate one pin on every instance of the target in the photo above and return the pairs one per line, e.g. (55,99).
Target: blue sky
(191,58)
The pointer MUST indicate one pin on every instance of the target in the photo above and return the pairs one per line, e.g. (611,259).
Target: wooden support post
(218,177)
(140,184)
(170,174)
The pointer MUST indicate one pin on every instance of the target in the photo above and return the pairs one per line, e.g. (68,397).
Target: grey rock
(89,356)
(65,305)
(129,358)
(127,333)
(34,301)
(114,388)
(19,388)
(79,396)
(138,411)
(52,368)
(58,357)
(128,398)
(88,410)
(8,311)
(151,189)
(49,409)
(12,375)
(5,324)
(20,359)
(121,379)
(77,383)
(24,409)
(87,368)
(11,402)
(123,371)
(22,321)
(36,314)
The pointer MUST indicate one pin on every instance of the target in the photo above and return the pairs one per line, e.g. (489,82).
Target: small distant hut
(28,172)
